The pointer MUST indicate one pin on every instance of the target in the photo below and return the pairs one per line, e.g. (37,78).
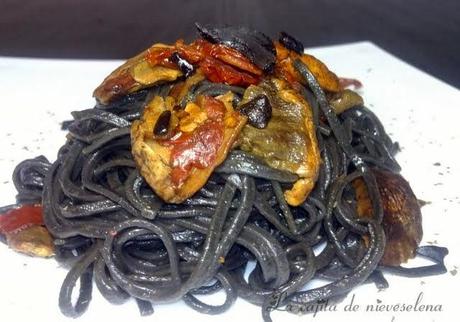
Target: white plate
(419,111)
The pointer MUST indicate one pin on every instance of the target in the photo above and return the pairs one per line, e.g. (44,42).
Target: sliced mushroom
(402,219)
(202,135)
(288,142)
(136,73)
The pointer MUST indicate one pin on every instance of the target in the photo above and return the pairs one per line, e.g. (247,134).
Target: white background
(417,110)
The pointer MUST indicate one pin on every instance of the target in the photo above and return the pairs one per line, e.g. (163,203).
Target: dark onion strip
(291,43)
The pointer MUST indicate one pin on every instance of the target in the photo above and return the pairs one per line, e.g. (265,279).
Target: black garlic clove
(291,43)
(185,67)
(162,125)
(255,45)
(258,110)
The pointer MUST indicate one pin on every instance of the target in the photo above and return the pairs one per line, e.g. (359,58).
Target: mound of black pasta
(111,228)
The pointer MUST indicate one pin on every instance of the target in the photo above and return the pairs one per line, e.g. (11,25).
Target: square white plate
(419,111)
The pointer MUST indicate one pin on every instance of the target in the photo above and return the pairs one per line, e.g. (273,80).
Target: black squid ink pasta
(115,234)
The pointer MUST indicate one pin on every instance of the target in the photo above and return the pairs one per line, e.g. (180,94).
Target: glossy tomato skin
(219,72)
(20,218)
(197,149)
(220,64)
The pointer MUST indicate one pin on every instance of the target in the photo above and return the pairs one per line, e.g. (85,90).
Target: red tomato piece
(194,52)
(219,72)
(196,149)
(235,58)
(214,108)
(20,218)
(158,56)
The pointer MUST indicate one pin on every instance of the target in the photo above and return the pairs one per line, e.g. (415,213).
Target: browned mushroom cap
(34,241)
(288,142)
(402,220)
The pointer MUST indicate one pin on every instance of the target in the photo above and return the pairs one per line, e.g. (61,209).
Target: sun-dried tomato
(235,58)
(159,56)
(215,109)
(219,72)
(16,219)
(196,149)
